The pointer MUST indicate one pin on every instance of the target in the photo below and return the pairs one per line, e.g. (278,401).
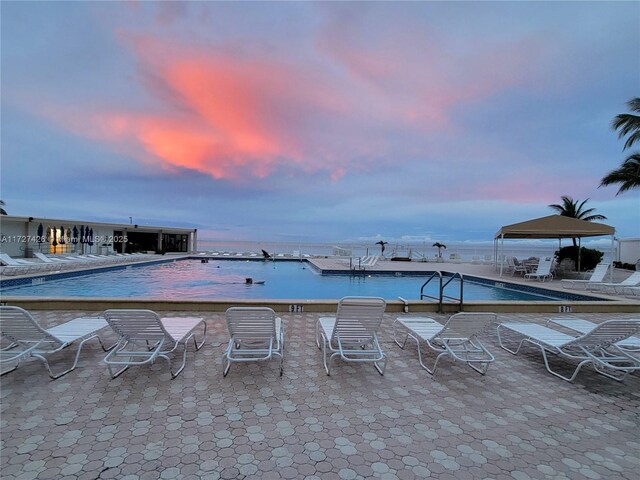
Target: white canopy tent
(553,226)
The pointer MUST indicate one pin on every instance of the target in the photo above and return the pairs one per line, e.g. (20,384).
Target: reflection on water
(222,279)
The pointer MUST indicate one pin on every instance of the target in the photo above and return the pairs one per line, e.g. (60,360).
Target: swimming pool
(226,279)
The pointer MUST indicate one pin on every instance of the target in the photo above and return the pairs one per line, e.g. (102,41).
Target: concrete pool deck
(517,422)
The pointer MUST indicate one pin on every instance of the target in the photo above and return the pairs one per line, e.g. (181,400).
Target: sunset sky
(316,121)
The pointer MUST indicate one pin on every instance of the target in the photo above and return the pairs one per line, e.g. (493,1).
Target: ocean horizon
(464,251)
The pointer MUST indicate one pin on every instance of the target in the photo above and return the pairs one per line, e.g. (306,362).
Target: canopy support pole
(501,252)
(579,251)
(611,256)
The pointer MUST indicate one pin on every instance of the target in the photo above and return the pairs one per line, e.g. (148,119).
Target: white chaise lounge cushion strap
(80,327)
(424,327)
(352,333)
(543,271)
(597,276)
(357,320)
(180,328)
(256,334)
(606,334)
(584,326)
(457,338)
(545,335)
(252,323)
(612,287)
(30,339)
(596,347)
(144,336)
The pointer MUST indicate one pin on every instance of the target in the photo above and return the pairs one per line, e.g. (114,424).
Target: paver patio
(517,422)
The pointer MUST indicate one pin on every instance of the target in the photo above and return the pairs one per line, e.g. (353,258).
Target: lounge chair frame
(144,337)
(597,276)
(543,271)
(28,339)
(582,326)
(456,339)
(257,334)
(616,287)
(597,347)
(352,333)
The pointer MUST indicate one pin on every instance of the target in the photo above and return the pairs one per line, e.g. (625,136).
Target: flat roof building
(21,236)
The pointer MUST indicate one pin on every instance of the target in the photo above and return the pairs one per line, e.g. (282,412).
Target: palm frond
(628,124)
(591,218)
(634,104)
(627,175)
(625,122)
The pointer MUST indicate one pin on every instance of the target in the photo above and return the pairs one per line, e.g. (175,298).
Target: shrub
(589,257)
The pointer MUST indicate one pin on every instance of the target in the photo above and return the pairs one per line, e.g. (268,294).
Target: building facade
(21,236)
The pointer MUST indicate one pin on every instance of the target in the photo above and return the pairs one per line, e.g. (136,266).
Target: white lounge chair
(631,292)
(27,338)
(596,347)
(456,339)
(514,266)
(543,271)
(352,333)
(597,276)
(144,337)
(367,261)
(56,263)
(632,280)
(583,326)
(18,266)
(256,335)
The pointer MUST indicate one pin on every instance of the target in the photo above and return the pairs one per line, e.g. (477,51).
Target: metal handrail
(424,295)
(440,298)
(459,299)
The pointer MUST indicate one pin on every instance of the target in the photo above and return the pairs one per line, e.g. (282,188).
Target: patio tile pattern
(517,422)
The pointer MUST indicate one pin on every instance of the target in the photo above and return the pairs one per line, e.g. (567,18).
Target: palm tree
(382,243)
(573,208)
(439,246)
(628,174)
(2,210)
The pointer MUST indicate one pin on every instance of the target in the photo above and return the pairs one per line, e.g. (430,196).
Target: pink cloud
(232,113)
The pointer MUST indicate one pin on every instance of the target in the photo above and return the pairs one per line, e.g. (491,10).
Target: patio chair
(582,326)
(144,337)
(597,276)
(456,339)
(352,333)
(256,335)
(543,271)
(596,347)
(515,266)
(54,261)
(17,266)
(632,292)
(632,280)
(26,338)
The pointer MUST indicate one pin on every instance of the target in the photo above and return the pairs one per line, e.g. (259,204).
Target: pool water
(226,279)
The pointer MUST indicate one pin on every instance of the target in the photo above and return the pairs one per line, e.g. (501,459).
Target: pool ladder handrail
(441,288)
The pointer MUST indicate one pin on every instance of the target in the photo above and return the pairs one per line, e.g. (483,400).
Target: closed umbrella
(90,239)
(83,239)
(55,240)
(62,242)
(40,236)
(74,237)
